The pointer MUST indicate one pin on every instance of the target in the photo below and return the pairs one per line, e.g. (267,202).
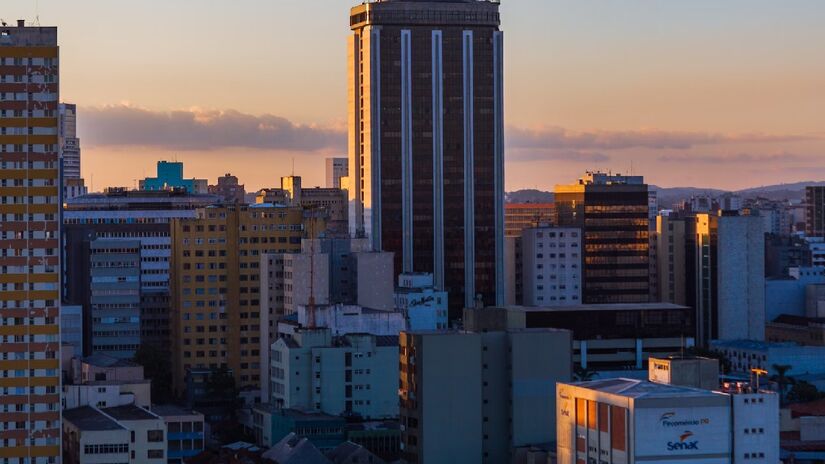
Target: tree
(583,374)
(803,392)
(221,384)
(157,367)
(781,379)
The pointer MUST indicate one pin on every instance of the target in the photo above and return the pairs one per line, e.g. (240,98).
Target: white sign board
(682,431)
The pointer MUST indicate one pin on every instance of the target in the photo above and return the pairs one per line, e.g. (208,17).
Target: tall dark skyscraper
(426,148)
(29,240)
(612,211)
(815,211)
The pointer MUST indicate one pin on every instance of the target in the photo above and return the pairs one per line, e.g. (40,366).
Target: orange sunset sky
(727,94)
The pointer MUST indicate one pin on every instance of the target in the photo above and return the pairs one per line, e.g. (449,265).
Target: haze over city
(702,93)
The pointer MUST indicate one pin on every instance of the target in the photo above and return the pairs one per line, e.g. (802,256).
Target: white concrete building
(741,278)
(624,421)
(106,394)
(336,168)
(315,370)
(551,266)
(424,307)
(755,424)
(120,434)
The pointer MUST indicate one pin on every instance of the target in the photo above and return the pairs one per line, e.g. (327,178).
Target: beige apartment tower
(29,239)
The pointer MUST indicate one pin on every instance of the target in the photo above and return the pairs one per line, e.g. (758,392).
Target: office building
(272,196)
(170,176)
(336,168)
(613,213)
(625,421)
(730,277)
(426,146)
(215,281)
(520,216)
(71,327)
(606,338)
(184,432)
(477,396)
(350,374)
(121,217)
(116,434)
(551,266)
(228,189)
(424,307)
(29,240)
(815,211)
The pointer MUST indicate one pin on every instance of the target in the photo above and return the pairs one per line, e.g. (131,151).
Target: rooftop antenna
(293,166)
(37,13)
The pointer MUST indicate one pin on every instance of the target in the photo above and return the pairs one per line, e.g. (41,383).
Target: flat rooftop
(102,360)
(129,412)
(165,410)
(637,389)
(599,307)
(88,418)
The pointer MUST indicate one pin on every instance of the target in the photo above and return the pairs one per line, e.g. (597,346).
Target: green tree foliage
(157,367)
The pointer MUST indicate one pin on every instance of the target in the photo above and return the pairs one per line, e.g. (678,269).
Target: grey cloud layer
(122,125)
(560,138)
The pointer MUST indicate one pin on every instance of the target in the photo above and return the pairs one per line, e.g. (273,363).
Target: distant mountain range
(671,195)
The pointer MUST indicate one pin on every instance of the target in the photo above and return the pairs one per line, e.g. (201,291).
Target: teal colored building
(271,424)
(170,176)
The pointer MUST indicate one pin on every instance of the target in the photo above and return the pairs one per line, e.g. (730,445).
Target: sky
(687,93)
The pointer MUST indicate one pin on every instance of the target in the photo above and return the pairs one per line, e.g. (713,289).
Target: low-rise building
(184,432)
(117,434)
(626,421)
(796,329)
(424,307)
(351,374)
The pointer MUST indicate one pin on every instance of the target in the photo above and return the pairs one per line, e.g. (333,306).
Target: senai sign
(682,431)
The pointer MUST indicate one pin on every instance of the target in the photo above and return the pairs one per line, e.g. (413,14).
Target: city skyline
(618,85)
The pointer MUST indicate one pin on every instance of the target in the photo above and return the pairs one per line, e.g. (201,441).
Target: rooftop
(600,307)
(129,412)
(89,418)
(102,360)
(751,344)
(637,389)
(165,410)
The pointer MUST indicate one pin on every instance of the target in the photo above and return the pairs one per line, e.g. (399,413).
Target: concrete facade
(336,168)
(551,266)
(314,370)
(476,396)
(424,307)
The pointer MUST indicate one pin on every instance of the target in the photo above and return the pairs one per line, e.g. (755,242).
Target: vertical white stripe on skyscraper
(375,134)
(498,156)
(438,162)
(406,152)
(469,174)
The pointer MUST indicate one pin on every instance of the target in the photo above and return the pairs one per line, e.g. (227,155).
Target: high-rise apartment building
(216,306)
(29,240)
(675,260)
(336,168)
(426,151)
(69,142)
(815,211)
(551,266)
(229,189)
(613,213)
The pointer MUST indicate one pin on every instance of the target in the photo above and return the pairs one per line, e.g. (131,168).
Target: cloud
(202,130)
(733,158)
(528,154)
(561,138)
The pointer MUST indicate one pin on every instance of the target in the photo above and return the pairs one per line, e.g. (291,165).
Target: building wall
(84,446)
(741,278)
(551,266)
(520,216)
(755,427)
(185,436)
(428,189)
(30,277)
(216,288)
(149,444)
(672,259)
(336,168)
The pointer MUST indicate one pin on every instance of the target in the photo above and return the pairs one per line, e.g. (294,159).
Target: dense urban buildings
(336,168)
(426,147)
(120,218)
(613,213)
(228,189)
(30,243)
(215,280)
